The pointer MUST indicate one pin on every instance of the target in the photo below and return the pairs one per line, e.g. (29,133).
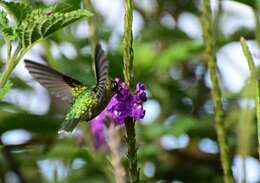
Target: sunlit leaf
(18,10)
(158,32)
(7,32)
(40,23)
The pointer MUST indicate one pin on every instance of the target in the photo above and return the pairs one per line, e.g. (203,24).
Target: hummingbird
(86,102)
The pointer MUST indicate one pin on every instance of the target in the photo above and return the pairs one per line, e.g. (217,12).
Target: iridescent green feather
(78,89)
(81,108)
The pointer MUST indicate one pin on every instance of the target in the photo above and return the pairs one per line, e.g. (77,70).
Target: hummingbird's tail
(68,125)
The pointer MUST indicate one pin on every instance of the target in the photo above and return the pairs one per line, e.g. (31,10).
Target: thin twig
(92,23)
(252,69)
(257,23)
(92,27)
(114,146)
(216,93)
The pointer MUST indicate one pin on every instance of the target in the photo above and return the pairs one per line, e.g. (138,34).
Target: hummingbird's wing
(101,66)
(84,105)
(57,83)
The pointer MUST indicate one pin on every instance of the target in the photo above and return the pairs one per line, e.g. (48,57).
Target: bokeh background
(176,139)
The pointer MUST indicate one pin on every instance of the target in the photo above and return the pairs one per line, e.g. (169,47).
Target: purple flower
(140,91)
(122,105)
(98,129)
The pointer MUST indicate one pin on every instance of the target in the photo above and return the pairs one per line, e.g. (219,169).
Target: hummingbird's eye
(114,87)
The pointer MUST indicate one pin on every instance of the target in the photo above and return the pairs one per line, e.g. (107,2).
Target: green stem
(128,56)
(48,54)
(133,169)
(243,169)
(252,69)
(9,49)
(128,44)
(11,63)
(217,19)
(216,93)
(92,27)
(257,23)
(7,72)
(114,143)
(97,157)
(248,56)
(9,66)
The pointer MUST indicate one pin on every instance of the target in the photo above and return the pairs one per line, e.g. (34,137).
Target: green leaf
(158,32)
(145,53)
(154,130)
(41,23)
(181,124)
(3,18)
(5,89)
(66,150)
(149,150)
(249,3)
(7,32)
(18,10)
(178,52)
(42,125)
(67,5)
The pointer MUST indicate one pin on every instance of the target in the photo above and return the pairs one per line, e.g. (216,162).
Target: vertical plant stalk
(12,61)
(216,93)
(114,146)
(10,65)
(257,23)
(257,26)
(218,19)
(243,170)
(92,27)
(128,55)
(48,54)
(7,72)
(245,130)
(133,169)
(252,69)
(128,44)
(96,155)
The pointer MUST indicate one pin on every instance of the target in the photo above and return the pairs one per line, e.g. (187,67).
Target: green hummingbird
(86,102)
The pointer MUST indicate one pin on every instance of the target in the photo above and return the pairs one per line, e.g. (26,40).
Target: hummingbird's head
(114,86)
